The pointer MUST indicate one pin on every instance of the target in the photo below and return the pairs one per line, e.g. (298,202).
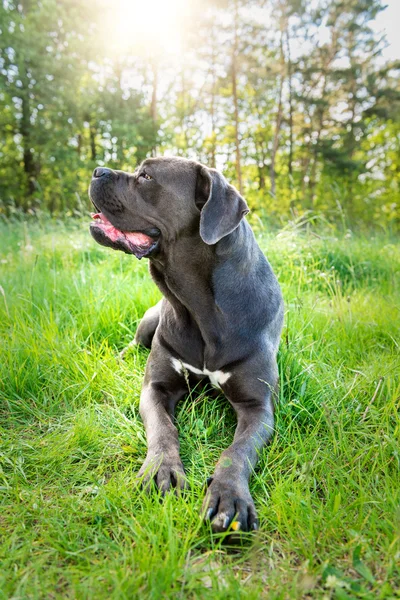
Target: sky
(389,21)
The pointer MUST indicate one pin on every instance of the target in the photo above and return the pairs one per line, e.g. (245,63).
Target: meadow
(73,521)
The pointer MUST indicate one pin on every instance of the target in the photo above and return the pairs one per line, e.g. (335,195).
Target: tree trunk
(260,159)
(289,69)
(351,140)
(183,109)
(313,173)
(92,134)
(213,134)
(119,146)
(153,108)
(261,177)
(30,168)
(320,126)
(79,144)
(212,104)
(275,143)
(25,130)
(235,99)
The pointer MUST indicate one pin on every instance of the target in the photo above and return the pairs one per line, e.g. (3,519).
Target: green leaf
(360,567)
(128,449)
(340,594)
(336,504)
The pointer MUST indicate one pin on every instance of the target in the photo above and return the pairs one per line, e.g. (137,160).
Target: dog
(220,317)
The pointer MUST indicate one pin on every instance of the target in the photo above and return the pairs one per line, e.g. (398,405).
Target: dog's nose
(101,172)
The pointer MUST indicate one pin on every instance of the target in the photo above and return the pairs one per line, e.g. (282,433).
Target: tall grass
(73,522)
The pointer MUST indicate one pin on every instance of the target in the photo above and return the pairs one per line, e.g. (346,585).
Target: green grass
(73,523)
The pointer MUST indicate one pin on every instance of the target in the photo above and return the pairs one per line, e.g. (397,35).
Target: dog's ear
(222,207)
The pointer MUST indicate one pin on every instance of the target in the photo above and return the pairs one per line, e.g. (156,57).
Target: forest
(290,99)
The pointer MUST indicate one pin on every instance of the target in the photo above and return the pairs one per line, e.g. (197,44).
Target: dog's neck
(186,274)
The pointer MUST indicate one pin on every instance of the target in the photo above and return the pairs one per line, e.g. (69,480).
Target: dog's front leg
(228,501)
(161,391)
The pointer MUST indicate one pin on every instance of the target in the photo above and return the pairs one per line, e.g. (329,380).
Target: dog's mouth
(139,243)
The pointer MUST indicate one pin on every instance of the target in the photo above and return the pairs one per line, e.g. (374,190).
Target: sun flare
(153,27)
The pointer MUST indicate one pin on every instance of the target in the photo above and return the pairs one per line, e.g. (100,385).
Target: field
(73,522)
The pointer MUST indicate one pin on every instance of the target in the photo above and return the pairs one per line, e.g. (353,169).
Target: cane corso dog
(220,317)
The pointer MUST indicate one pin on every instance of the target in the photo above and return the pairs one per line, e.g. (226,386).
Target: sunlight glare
(151,27)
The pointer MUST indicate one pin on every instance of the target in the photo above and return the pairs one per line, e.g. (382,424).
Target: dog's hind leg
(148,325)
(146,330)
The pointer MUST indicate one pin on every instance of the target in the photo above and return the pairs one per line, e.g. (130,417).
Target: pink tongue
(136,237)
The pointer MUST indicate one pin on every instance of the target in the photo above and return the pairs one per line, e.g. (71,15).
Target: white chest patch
(217,378)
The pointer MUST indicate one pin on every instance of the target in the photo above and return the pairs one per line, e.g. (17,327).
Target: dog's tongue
(136,238)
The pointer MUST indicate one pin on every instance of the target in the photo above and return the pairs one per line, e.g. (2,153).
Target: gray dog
(220,318)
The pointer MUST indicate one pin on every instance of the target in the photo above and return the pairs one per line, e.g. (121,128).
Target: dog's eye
(145,175)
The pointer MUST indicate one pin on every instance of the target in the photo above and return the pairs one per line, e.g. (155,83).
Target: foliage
(289,98)
(74,523)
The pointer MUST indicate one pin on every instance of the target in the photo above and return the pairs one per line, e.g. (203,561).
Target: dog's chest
(217,378)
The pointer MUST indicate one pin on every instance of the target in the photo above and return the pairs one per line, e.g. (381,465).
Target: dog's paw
(165,472)
(229,506)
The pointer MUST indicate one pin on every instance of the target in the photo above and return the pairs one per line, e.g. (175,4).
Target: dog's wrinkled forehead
(167,171)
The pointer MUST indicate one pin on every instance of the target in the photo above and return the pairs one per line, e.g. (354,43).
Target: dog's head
(165,198)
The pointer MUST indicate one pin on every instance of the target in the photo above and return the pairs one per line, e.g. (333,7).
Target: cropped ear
(222,207)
